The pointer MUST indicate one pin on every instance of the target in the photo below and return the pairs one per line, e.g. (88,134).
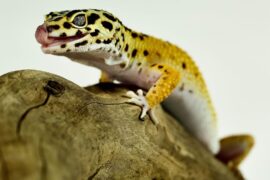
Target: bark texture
(52,129)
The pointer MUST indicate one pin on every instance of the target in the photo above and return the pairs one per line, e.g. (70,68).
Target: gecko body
(168,74)
(99,39)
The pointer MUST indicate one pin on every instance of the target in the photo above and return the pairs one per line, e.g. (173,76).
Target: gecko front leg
(161,89)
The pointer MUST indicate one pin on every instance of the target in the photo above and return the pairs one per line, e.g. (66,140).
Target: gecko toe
(140,100)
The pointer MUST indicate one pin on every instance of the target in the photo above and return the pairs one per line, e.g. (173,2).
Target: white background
(229,40)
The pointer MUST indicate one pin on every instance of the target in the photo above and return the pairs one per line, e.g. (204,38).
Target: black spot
(141,37)
(57,19)
(63,46)
(114,52)
(67,25)
(123,36)
(127,29)
(68,50)
(63,12)
(117,29)
(51,15)
(95,33)
(122,65)
(134,35)
(98,41)
(139,63)
(96,10)
(158,54)
(69,14)
(153,65)
(126,48)
(108,41)
(190,91)
(144,35)
(116,42)
(134,52)
(63,35)
(182,87)
(81,43)
(145,52)
(140,70)
(88,29)
(172,56)
(92,18)
(184,66)
(52,27)
(120,22)
(109,16)
(79,33)
(107,25)
(160,66)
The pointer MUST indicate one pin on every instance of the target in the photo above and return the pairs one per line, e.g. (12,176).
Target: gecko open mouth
(42,37)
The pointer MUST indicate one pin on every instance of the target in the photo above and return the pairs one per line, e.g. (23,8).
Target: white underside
(193,112)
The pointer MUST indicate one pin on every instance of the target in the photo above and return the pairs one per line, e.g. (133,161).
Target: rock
(51,128)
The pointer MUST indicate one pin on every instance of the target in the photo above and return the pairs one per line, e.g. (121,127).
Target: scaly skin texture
(166,72)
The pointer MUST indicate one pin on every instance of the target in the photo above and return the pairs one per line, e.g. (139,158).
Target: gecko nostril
(49,29)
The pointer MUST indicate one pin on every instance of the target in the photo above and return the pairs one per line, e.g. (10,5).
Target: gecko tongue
(42,36)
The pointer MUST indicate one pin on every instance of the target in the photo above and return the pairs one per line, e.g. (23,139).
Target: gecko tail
(234,149)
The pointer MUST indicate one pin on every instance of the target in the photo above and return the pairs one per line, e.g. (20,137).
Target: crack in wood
(94,174)
(52,88)
(22,118)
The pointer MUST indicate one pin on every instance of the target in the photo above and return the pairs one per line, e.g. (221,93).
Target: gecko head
(80,31)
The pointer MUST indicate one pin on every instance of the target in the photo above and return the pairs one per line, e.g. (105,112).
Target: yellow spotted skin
(168,74)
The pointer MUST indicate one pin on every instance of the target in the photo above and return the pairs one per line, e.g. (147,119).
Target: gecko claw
(140,100)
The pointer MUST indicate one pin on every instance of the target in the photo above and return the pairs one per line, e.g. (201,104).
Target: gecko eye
(79,20)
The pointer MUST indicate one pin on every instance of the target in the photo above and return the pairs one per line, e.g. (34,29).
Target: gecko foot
(140,100)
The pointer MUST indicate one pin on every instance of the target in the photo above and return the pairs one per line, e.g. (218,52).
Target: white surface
(229,40)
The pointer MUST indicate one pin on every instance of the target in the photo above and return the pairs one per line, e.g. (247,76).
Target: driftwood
(52,129)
